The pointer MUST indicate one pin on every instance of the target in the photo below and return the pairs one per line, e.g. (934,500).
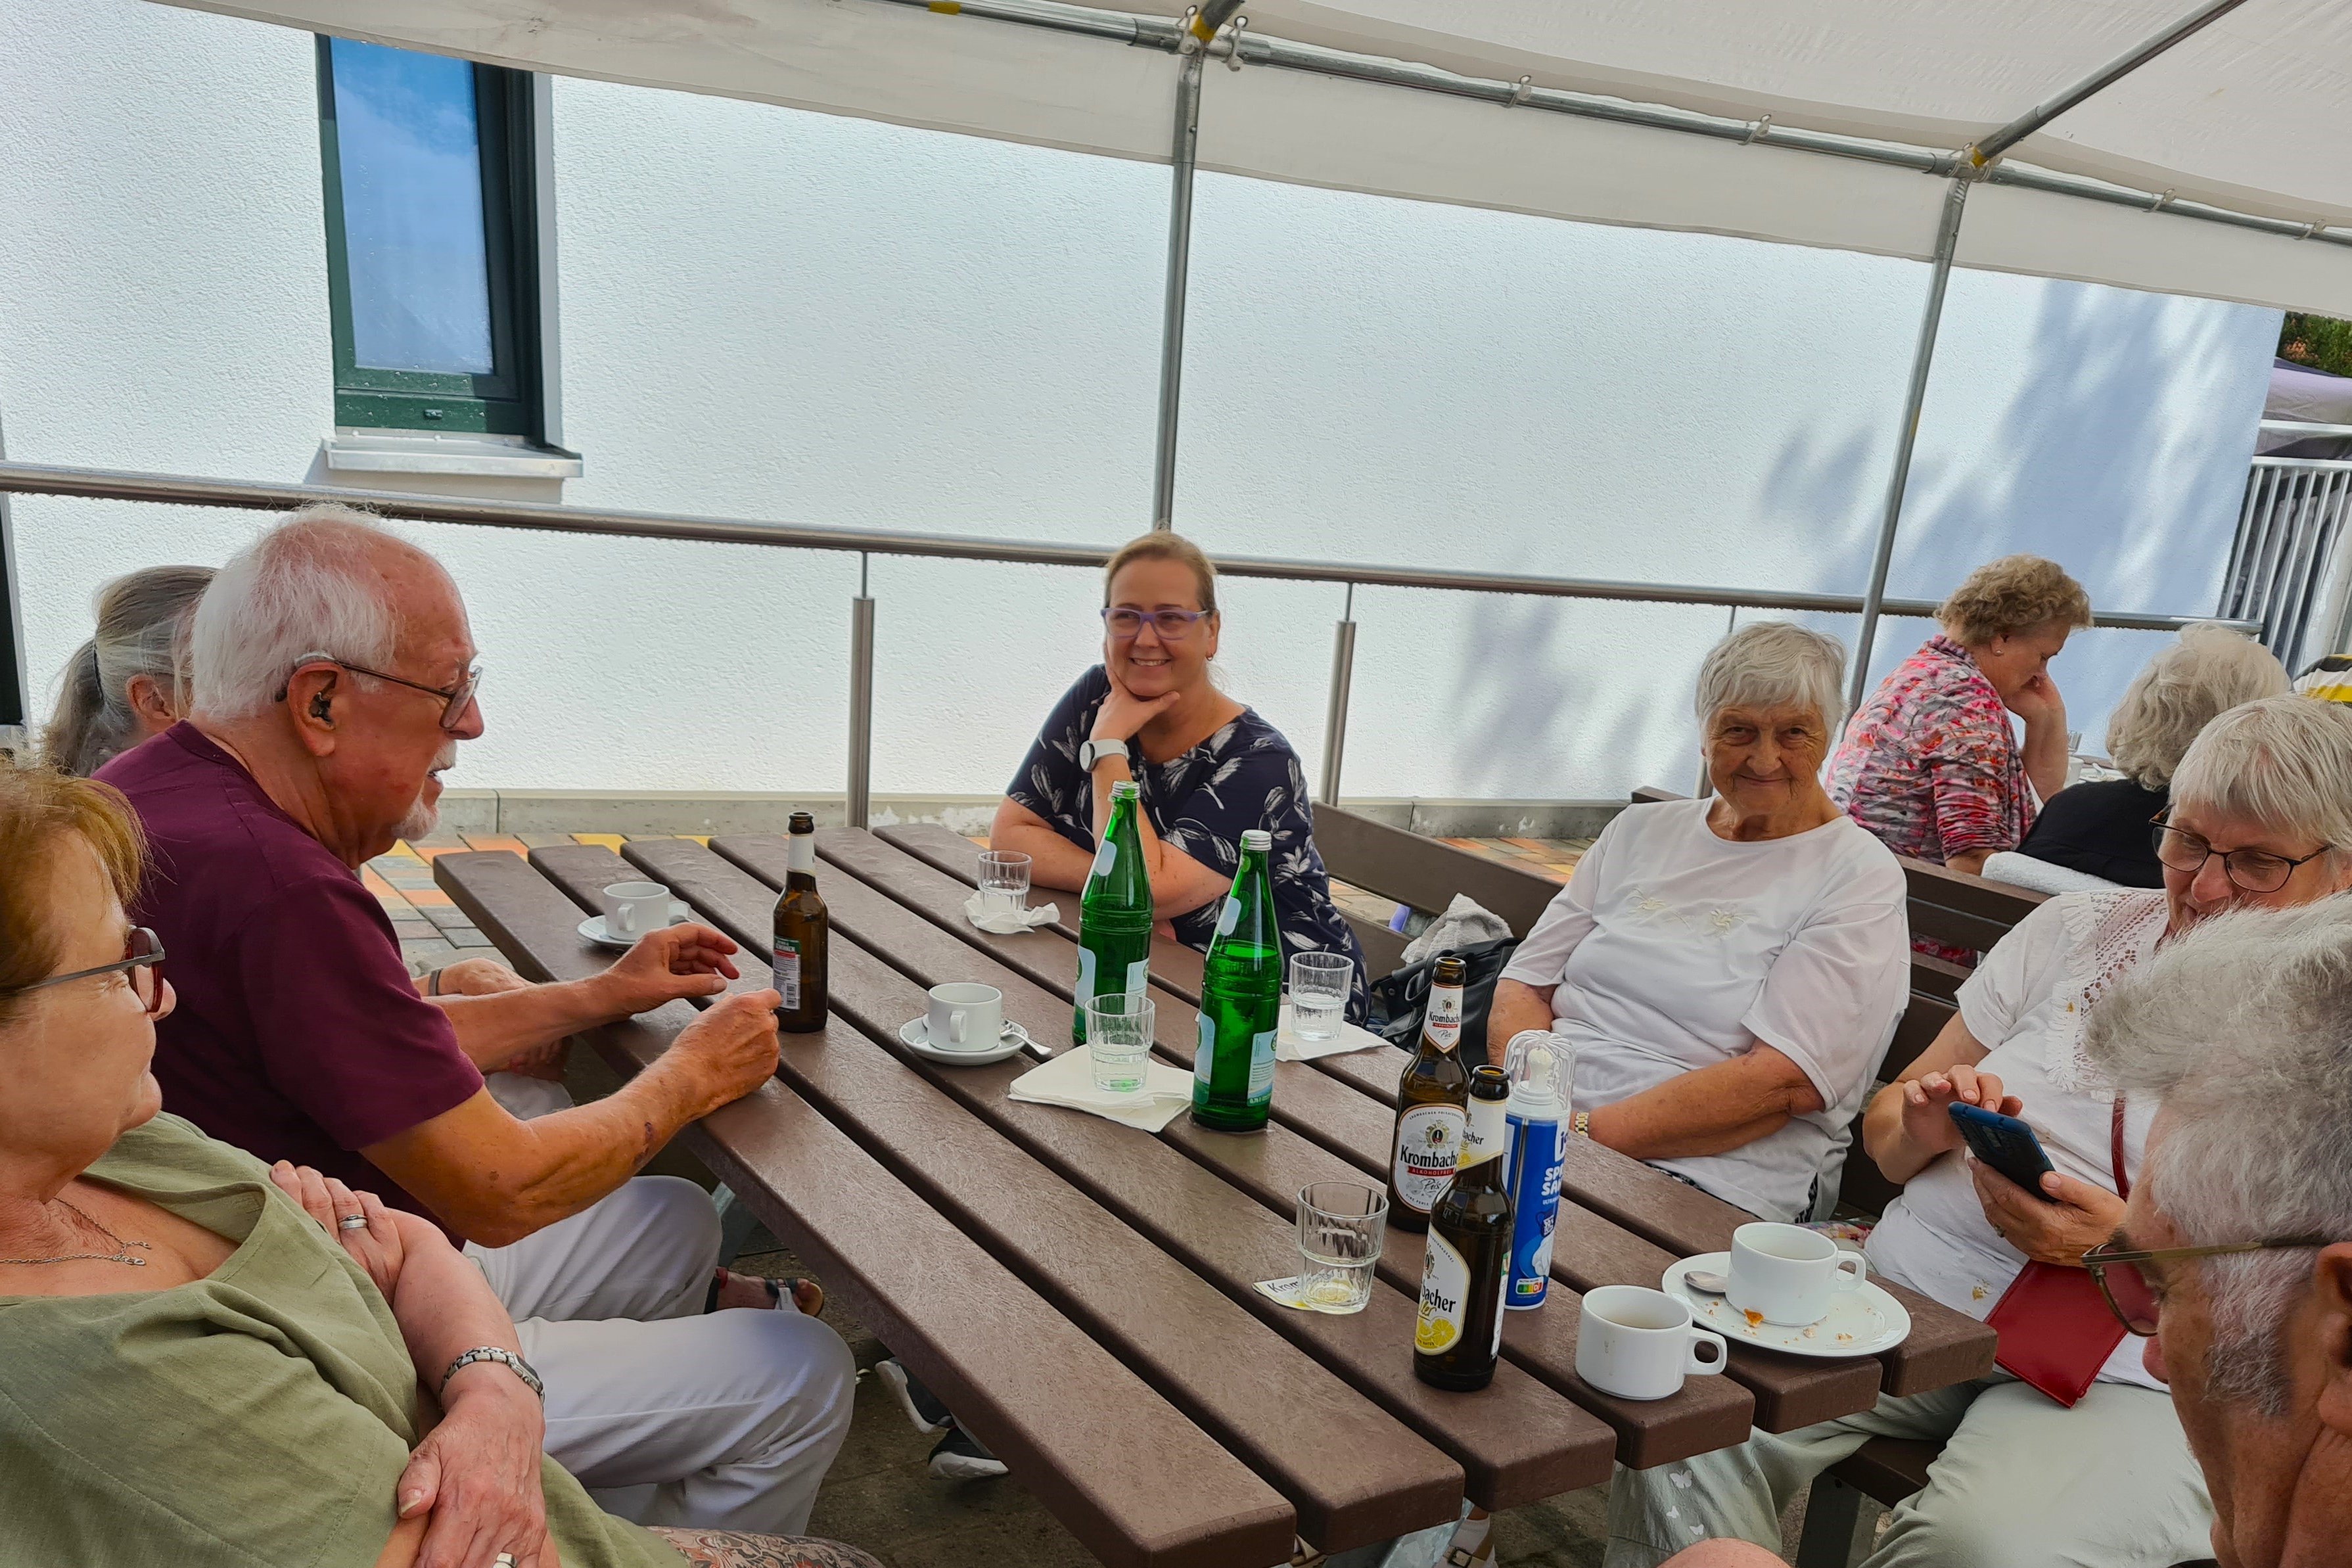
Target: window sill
(348,451)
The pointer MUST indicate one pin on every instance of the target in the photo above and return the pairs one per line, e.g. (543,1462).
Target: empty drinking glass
(1003,882)
(1320,983)
(1341,1228)
(1118,1040)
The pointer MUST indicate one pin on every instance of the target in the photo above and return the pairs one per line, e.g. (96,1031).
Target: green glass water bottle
(1241,1000)
(1114,912)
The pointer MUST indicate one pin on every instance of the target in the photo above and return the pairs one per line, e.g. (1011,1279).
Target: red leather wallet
(2055,1330)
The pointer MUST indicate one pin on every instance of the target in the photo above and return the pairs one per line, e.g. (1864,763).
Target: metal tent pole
(1873,598)
(861,703)
(16,724)
(1172,319)
(1335,718)
(2122,65)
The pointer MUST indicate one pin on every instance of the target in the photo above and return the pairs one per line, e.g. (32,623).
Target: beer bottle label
(788,971)
(1428,1138)
(1444,1296)
(1104,859)
(1443,1025)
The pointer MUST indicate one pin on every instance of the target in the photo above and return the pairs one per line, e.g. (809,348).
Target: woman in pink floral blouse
(1931,764)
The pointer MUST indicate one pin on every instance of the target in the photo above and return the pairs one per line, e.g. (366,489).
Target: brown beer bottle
(1458,1335)
(1433,1098)
(803,933)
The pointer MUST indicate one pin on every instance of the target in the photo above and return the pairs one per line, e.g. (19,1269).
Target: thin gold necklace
(121,1253)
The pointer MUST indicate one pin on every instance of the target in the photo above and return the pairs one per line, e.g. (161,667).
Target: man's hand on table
(683,960)
(731,1050)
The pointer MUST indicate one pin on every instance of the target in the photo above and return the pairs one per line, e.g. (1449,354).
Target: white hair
(311,584)
(1771,663)
(2282,762)
(2208,669)
(2243,1029)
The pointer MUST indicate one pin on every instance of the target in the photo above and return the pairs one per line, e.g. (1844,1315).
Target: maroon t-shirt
(299,1033)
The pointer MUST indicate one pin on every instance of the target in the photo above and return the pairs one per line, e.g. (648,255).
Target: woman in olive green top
(194,1372)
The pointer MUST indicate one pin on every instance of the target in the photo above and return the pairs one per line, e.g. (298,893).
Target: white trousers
(719,1421)
(2022,1482)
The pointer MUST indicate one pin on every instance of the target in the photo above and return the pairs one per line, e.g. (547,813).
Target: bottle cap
(1125,789)
(1540,1065)
(1257,839)
(1490,1083)
(803,822)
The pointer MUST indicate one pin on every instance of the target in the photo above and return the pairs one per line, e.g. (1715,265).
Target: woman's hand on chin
(1123,713)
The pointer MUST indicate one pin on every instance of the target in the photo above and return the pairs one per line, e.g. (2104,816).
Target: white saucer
(914,1033)
(592,928)
(1862,1323)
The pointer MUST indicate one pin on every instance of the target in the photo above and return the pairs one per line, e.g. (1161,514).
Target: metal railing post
(1335,718)
(861,703)
(1171,317)
(1922,355)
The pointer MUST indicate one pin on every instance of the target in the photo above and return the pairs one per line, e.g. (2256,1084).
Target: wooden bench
(1423,873)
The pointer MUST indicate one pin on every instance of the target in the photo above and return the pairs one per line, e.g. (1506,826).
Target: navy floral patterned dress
(1243,776)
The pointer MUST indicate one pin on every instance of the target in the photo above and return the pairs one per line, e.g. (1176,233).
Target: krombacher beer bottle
(1113,911)
(1432,1100)
(802,929)
(1467,1261)
(1241,1000)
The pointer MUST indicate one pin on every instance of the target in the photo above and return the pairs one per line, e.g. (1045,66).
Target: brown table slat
(1354,1474)
(1518,1442)
(1129,1475)
(1279,1164)
(1305,1101)
(1945,1347)
(1173,964)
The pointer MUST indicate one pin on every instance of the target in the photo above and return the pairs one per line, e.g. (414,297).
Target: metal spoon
(1706,1283)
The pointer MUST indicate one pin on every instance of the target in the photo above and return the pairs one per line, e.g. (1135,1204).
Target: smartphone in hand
(2005,1143)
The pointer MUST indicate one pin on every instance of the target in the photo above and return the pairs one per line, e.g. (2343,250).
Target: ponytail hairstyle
(142,630)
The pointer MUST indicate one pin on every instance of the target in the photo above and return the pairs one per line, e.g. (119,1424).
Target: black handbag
(1398,999)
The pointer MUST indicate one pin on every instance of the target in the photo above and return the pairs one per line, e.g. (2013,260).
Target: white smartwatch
(1092,754)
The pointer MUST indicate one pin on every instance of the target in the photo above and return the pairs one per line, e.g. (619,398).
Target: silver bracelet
(505,1358)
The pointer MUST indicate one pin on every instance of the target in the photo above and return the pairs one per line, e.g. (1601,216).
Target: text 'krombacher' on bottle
(802,929)
(1458,1335)
(1114,912)
(1241,1000)
(1432,1100)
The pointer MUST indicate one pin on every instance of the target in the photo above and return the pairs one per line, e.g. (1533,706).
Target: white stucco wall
(772,314)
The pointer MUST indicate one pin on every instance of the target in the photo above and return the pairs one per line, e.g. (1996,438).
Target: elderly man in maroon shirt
(334,676)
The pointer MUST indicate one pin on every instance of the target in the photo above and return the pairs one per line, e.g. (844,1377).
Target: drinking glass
(1118,1040)
(1003,882)
(1341,1227)
(1320,983)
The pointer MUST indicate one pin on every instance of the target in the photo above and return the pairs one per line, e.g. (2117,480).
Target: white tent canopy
(2252,114)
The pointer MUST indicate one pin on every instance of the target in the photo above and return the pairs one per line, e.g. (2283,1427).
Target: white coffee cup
(1639,1343)
(633,908)
(1791,1275)
(965,1016)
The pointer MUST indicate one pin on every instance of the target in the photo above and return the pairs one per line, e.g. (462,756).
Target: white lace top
(2029,1002)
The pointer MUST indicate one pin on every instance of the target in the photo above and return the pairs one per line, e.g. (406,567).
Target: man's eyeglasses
(454,698)
(2250,870)
(1173,626)
(2132,1297)
(142,960)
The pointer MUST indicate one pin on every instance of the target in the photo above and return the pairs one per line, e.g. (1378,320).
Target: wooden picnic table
(1081,1293)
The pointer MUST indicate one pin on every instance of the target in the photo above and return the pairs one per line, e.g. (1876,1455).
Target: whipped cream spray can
(1540,1067)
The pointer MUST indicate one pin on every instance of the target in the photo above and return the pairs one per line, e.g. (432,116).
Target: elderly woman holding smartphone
(197,1373)
(1209,768)
(2070,1452)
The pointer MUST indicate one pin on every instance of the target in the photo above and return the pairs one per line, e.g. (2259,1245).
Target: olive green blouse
(257,1418)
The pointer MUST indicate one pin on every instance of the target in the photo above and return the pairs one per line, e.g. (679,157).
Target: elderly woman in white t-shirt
(2261,816)
(1729,969)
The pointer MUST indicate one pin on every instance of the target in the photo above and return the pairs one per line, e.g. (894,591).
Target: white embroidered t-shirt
(2028,1003)
(1671,949)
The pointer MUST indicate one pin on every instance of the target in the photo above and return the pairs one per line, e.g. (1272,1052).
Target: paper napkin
(1289,1048)
(1003,922)
(1070,1080)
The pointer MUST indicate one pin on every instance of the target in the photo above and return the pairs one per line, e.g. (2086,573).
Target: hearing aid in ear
(320,708)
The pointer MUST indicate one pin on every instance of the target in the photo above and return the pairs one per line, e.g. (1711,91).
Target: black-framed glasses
(1173,626)
(2250,870)
(142,960)
(2132,1298)
(454,698)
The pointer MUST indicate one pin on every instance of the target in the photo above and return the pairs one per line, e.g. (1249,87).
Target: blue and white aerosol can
(1540,1067)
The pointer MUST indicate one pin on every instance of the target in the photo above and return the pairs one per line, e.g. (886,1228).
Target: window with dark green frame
(432,261)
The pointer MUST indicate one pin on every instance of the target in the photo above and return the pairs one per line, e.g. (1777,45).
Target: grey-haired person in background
(130,680)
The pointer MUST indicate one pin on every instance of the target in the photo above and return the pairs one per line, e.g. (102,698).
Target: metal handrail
(180,490)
